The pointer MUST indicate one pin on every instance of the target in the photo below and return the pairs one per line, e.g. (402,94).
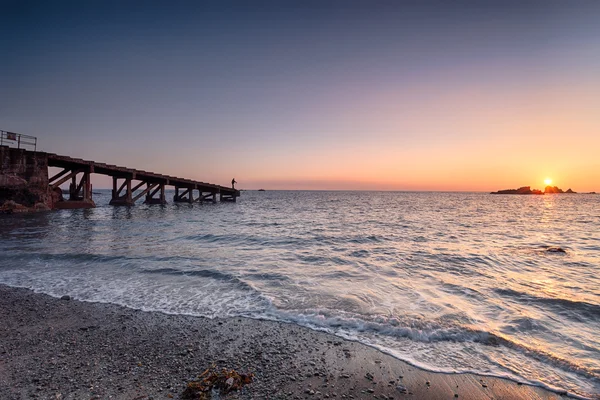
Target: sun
(547,181)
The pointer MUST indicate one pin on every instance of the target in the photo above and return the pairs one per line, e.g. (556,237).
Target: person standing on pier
(233,182)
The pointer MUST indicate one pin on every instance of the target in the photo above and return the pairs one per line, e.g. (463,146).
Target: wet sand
(66,349)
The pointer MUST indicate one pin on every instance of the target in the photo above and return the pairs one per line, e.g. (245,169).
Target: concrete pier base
(74,204)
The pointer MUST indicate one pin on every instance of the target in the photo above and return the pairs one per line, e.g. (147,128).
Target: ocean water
(453,282)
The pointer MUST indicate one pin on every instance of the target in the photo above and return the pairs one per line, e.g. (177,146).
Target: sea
(499,285)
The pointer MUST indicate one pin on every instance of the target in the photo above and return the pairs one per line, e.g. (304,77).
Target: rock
(41,207)
(66,297)
(402,389)
(9,205)
(56,195)
(12,181)
(555,250)
(521,190)
(553,189)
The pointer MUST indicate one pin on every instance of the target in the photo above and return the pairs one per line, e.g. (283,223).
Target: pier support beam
(152,191)
(204,196)
(123,196)
(187,195)
(80,193)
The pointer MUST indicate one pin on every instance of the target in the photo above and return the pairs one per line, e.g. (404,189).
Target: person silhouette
(233,182)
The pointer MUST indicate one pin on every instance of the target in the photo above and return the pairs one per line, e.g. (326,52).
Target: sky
(342,95)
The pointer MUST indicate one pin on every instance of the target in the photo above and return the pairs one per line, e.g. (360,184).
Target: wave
(365,239)
(100,259)
(581,308)
(84,257)
(240,239)
(203,273)
(426,332)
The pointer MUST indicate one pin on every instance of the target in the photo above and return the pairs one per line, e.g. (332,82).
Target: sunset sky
(447,95)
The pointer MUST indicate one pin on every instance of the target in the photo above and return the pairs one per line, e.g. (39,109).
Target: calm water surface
(456,282)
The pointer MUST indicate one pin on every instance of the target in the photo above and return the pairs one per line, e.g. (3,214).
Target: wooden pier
(25,184)
(131,185)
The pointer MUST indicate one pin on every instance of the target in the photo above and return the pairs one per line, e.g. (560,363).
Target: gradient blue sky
(448,95)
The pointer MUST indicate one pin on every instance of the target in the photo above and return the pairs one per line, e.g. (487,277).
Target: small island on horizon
(527,190)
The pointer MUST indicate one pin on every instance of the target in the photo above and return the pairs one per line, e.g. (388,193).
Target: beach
(300,200)
(53,348)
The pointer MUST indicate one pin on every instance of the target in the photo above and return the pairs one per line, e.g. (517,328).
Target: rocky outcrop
(24,181)
(521,190)
(528,190)
(556,189)
(553,189)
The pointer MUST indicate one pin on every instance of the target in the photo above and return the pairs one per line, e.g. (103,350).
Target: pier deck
(125,191)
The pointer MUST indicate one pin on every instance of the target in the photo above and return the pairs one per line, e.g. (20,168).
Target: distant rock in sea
(528,190)
(553,189)
(521,190)
(555,250)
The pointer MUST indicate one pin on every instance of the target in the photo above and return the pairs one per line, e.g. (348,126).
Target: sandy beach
(65,349)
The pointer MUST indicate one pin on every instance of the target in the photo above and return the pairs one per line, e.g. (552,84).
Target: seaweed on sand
(225,381)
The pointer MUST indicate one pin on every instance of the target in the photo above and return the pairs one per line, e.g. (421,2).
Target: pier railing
(18,140)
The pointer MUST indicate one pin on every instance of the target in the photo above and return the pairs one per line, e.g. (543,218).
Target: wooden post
(148,194)
(87,187)
(73,187)
(151,190)
(119,199)
(129,196)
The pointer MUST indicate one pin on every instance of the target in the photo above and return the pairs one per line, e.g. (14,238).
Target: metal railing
(16,139)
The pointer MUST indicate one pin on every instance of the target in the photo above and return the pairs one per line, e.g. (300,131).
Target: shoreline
(69,349)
